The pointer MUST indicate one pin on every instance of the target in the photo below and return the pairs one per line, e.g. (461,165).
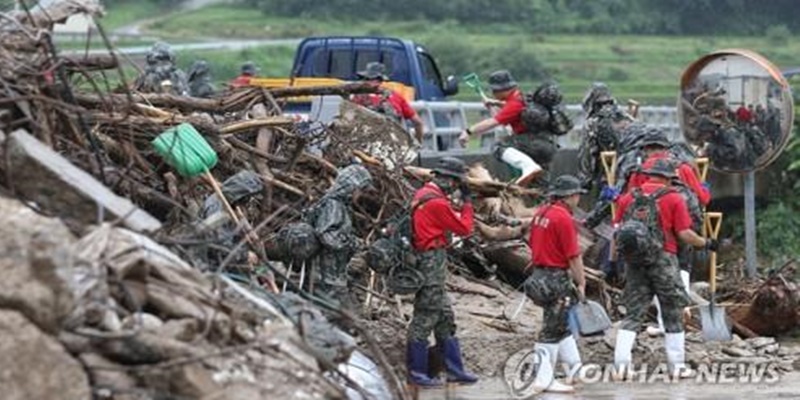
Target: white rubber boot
(545,380)
(654,331)
(519,160)
(685,280)
(687,312)
(568,354)
(674,344)
(623,350)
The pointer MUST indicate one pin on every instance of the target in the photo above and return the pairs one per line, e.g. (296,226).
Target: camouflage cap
(661,167)
(565,185)
(597,93)
(160,52)
(374,70)
(655,137)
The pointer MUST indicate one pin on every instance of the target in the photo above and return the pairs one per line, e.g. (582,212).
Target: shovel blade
(591,318)
(715,325)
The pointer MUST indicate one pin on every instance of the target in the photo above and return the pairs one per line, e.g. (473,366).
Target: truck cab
(331,60)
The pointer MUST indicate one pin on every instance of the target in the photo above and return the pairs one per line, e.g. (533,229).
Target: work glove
(711,244)
(609,193)
(707,187)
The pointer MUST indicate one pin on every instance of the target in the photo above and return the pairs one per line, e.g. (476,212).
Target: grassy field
(646,68)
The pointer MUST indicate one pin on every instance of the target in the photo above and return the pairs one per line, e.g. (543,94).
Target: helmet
(661,167)
(565,185)
(451,167)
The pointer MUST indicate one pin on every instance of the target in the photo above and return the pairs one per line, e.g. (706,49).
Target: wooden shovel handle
(702,166)
(609,161)
(713,222)
(218,190)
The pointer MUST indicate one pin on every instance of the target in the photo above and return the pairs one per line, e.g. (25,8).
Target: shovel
(590,317)
(474,81)
(609,161)
(715,324)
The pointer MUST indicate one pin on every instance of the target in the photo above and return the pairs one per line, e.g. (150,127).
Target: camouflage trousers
(642,282)
(432,309)
(552,289)
(332,282)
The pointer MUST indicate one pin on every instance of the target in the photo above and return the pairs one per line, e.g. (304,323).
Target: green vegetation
(671,17)
(646,68)
(275,61)
(129,11)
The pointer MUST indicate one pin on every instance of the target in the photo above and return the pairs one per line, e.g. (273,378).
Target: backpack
(545,118)
(393,254)
(384,106)
(640,239)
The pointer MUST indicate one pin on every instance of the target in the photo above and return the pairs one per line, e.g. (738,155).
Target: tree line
(666,17)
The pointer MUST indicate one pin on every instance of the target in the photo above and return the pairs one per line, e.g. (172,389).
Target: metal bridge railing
(445,120)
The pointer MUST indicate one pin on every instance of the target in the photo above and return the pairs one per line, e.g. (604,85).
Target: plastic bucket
(185,150)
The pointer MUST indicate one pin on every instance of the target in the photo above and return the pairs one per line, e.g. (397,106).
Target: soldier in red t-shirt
(644,279)
(505,89)
(432,220)
(557,263)
(249,70)
(387,102)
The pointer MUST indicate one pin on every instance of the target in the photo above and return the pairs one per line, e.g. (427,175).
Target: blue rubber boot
(417,363)
(453,363)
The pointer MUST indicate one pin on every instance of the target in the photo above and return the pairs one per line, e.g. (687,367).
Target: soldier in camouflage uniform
(433,219)
(659,277)
(330,218)
(656,146)
(557,263)
(161,75)
(601,132)
(200,80)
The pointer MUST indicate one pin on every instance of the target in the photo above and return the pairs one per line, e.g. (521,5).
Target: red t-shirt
(241,81)
(672,211)
(743,114)
(554,239)
(686,173)
(433,219)
(511,113)
(398,102)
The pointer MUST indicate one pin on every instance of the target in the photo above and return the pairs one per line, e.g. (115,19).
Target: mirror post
(750,223)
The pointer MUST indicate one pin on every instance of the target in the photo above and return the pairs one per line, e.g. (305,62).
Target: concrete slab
(43,176)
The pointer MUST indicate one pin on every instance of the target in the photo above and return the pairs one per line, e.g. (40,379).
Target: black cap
(249,68)
(374,70)
(661,167)
(451,167)
(565,185)
(501,80)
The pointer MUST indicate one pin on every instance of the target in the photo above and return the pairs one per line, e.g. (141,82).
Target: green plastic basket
(185,150)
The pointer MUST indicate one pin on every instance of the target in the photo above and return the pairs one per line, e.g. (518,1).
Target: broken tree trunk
(484,187)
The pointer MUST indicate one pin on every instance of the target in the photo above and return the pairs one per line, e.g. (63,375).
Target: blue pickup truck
(332,60)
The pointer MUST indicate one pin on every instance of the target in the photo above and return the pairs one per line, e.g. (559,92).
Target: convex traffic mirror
(736,108)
